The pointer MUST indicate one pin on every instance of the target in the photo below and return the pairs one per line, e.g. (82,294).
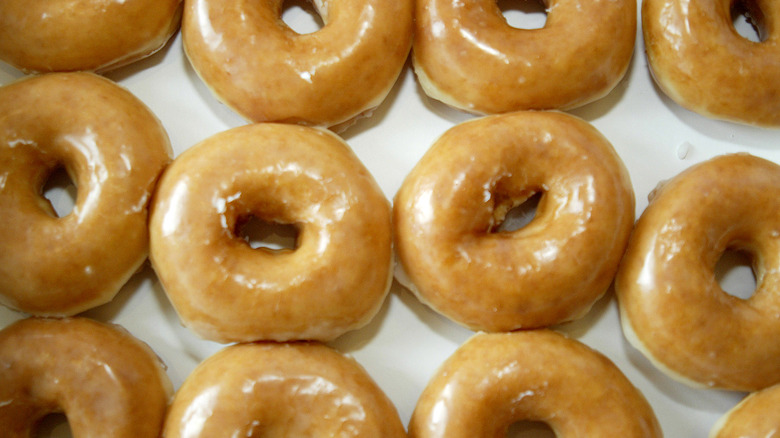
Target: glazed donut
(290,390)
(700,61)
(671,305)
(71,35)
(333,281)
(113,148)
(266,72)
(447,214)
(755,416)
(467,56)
(101,377)
(495,380)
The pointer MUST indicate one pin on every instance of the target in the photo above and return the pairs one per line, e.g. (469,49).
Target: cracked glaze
(551,270)
(466,55)
(267,72)
(672,307)
(334,280)
(281,390)
(113,148)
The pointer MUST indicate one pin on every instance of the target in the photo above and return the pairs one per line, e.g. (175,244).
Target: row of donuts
(486,192)
(464,53)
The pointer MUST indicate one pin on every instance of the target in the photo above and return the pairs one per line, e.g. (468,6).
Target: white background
(406,342)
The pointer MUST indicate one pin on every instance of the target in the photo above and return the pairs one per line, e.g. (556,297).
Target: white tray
(403,346)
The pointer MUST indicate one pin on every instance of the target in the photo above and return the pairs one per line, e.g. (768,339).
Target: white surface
(406,342)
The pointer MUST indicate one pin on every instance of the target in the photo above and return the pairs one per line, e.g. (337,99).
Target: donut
(755,416)
(699,60)
(266,72)
(288,389)
(114,149)
(336,277)
(495,380)
(466,55)
(103,379)
(91,35)
(454,255)
(672,307)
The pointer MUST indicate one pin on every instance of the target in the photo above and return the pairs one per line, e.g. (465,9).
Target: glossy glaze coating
(267,72)
(466,55)
(105,381)
(553,269)
(281,390)
(495,380)
(336,278)
(754,417)
(113,148)
(701,62)
(94,35)
(672,307)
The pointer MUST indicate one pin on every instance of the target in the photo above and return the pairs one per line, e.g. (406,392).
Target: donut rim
(274,307)
(91,252)
(494,380)
(729,349)
(426,274)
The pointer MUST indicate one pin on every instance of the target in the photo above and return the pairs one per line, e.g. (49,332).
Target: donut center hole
(509,217)
(530,429)
(734,273)
(302,16)
(61,192)
(748,20)
(524,14)
(53,426)
(271,236)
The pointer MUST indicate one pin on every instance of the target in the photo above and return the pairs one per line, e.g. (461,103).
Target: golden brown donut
(702,63)
(281,390)
(495,380)
(105,381)
(335,279)
(448,209)
(671,305)
(70,35)
(467,56)
(113,148)
(266,72)
(754,417)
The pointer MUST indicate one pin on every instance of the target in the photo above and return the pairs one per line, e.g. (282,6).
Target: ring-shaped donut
(257,65)
(101,377)
(467,56)
(114,149)
(495,380)
(700,61)
(671,305)
(336,277)
(288,389)
(754,416)
(553,269)
(77,35)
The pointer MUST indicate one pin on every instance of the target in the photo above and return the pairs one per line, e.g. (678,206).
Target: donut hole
(267,235)
(53,426)
(530,429)
(734,273)
(524,14)
(509,217)
(301,16)
(748,20)
(60,191)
